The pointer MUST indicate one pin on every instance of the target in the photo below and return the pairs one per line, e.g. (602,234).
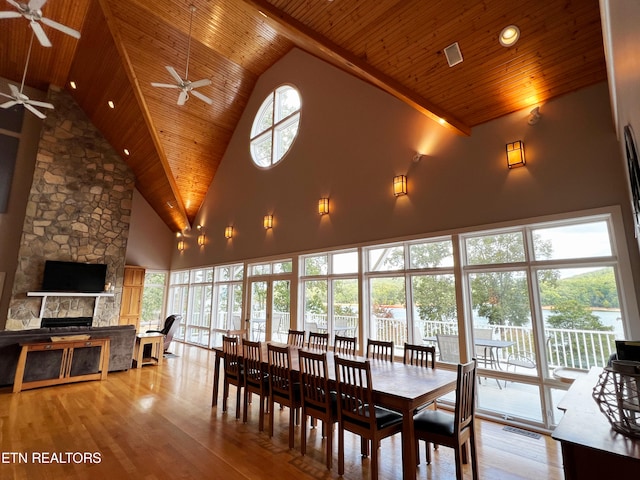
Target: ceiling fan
(32,12)
(19,98)
(186,87)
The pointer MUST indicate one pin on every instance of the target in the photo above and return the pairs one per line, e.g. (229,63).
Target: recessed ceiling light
(111,104)
(509,36)
(73,84)
(126,151)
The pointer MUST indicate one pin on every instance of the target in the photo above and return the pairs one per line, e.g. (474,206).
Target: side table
(156,340)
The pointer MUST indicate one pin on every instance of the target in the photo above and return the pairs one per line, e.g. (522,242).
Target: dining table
(396,386)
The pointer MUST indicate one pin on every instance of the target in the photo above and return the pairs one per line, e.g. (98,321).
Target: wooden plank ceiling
(397,45)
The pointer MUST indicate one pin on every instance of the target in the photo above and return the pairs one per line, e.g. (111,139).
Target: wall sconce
(400,185)
(267,222)
(515,154)
(201,236)
(323,206)
(180,242)
(534,116)
(228,232)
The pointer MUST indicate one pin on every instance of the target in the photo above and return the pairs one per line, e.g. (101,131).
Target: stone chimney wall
(79,210)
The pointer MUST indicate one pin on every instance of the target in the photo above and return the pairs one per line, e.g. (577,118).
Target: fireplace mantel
(44,296)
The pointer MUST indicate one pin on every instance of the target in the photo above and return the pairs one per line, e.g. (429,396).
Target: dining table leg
(216,379)
(409,454)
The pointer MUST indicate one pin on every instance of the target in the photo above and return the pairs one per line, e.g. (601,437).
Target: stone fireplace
(79,210)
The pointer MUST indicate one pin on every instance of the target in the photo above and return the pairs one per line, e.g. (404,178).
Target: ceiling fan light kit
(185,86)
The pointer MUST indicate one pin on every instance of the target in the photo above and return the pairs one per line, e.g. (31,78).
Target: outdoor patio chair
(449,348)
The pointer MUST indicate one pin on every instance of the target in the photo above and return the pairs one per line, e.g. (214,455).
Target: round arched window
(275,126)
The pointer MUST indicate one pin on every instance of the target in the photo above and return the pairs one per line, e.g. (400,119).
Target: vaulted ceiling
(396,45)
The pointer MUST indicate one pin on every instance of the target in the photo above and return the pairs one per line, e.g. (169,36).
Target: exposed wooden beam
(179,212)
(324,48)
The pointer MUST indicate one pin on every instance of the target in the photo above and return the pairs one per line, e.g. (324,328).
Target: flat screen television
(73,277)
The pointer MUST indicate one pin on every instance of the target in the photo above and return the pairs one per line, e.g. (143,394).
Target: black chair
(282,389)
(380,350)
(256,379)
(296,338)
(169,329)
(344,345)
(319,341)
(233,371)
(358,414)
(453,430)
(318,401)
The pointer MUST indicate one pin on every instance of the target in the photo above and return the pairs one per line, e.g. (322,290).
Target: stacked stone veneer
(79,210)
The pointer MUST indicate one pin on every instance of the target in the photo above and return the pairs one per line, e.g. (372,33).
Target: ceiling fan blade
(37,113)
(164,85)
(14,90)
(5,95)
(36,103)
(174,74)
(36,4)
(200,83)
(63,28)
(14,3)
(42,37)
(184,96)
(202,97)
(8,104)
(10,14)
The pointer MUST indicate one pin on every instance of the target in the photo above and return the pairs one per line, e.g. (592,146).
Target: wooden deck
(157,423)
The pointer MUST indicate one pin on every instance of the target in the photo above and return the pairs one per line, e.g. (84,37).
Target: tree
(570,314)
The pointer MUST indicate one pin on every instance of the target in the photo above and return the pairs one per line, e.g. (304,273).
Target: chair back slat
(252,355)
(355,394)
(344,345)
(319,341)
(279,360)
(314,380)
(296,338)
(230,350)
(380,350)
(420,355)
(465,390)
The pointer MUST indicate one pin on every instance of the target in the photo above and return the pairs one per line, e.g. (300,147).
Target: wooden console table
(590,447)
(67,347)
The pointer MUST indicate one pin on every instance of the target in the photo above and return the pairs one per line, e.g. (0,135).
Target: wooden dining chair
(296,338)
(344,345)
(319,341)
(456,429)
(420,355)
(357,412)
(380,350)
(233,371)
(318,401)
(282,388)
(256,379)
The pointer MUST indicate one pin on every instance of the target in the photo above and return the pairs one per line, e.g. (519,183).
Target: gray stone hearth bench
(46,365)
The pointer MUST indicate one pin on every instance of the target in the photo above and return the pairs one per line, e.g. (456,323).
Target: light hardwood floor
(157,423)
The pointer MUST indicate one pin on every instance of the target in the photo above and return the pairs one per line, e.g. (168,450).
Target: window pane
(500,248)
(222,274)
(431,254)
(315,265)
(386,258)
(346,262)
(502,312)
(261,150)
(287,101)
(238,272)
(315,305)
(260,269)
(388,309)
(280,310)
(345,307)
(264,117)
(517,400)
(582,316)
(434,306)
(572,241)
(282,267)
